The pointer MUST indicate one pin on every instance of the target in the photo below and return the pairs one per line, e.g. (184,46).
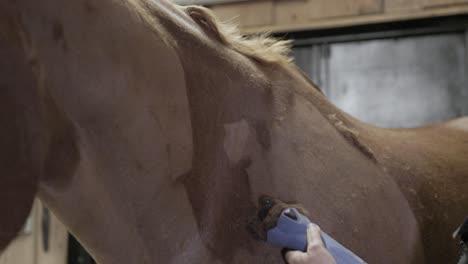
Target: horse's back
(430,166)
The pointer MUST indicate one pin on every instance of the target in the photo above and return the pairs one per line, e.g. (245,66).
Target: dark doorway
(77,254)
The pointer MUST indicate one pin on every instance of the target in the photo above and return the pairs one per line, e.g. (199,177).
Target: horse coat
(151,130)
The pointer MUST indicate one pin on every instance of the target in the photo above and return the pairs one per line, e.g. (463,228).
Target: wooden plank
(297,11)
(258,13)
(58,241)
(358,20)
(432,3)
(21,250)
(27,248)
(394,6)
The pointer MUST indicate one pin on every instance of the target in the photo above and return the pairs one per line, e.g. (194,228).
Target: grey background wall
(397,82)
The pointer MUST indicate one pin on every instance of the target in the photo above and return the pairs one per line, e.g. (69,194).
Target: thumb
(314,239)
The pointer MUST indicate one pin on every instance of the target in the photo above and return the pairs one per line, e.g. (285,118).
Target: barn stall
(392,63)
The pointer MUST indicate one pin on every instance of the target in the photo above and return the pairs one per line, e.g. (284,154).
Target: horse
(151,130)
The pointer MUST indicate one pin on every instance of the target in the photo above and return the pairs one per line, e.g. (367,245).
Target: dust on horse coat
(151,131)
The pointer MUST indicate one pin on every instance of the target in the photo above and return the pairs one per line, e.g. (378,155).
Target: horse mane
(261,47)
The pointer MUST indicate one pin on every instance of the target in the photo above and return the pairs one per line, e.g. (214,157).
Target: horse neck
(266,130)
(254,129)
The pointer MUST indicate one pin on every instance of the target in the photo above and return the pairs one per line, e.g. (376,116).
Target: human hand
(316,251)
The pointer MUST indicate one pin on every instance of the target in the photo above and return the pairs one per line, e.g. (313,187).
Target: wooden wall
(28,248)
(294,15)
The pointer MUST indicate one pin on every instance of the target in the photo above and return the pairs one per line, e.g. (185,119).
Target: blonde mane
(261,47)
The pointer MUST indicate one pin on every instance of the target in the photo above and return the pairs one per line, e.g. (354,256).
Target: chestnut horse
(151,130)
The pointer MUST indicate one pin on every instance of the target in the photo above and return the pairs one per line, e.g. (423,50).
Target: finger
(314,239)
(293,256)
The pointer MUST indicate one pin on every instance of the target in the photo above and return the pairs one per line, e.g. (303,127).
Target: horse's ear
(206,20)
